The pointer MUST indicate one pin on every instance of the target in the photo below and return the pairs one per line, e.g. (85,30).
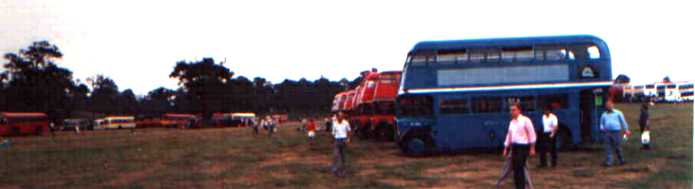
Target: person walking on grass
(255,124)
(612,124)
(547,139)
(341,132)
(311,130)
(644,126)
(507,169)
(271,125)
(521,143)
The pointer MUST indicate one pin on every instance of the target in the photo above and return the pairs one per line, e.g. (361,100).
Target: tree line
(32,81)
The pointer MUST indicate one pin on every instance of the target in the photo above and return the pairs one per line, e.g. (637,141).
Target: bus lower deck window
(487,104)
(453,106)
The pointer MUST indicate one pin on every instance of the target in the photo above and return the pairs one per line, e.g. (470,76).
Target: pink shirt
(520,131)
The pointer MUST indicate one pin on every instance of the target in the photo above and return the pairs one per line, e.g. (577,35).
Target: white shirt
(341,129)
(520,131)
(549,122)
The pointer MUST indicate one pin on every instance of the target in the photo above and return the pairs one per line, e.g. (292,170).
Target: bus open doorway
(590,105)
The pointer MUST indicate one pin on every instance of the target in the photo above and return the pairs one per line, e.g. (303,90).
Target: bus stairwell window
(594,53)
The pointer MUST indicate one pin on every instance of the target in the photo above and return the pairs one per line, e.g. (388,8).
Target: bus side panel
(458,132)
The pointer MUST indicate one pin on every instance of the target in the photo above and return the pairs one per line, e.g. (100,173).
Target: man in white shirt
(341,133)
(521,143)
(547,139)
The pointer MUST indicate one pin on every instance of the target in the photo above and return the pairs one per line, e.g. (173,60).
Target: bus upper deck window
(446,58)
(507,56)
(477,57)
(418,60)
(593,52)
(556,54)
(538,55)
(451,56)
(492,56)
(524,55)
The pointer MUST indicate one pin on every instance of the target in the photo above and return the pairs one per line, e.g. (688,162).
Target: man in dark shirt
(644,123)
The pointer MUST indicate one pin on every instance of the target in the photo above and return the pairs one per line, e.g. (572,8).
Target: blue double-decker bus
(454,94)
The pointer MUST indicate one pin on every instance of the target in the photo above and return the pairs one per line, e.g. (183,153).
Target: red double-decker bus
(371,105)
(23,123)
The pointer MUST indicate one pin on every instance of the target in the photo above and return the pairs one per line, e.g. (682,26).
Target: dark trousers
(612,142)
(339,157)
(271,129)
(519,156)
(547,145)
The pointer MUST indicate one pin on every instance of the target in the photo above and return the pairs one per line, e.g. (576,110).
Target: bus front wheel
(415,146)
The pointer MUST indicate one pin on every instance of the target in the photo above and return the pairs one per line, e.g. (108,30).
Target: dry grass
(234,158)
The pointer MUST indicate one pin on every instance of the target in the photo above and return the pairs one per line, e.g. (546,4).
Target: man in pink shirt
(520,142)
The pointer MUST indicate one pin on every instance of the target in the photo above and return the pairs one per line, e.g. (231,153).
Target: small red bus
(24,123)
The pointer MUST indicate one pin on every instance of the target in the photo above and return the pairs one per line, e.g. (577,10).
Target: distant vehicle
(455,95)
(179,120)
(672,94)
(115,122)
(71,124)
(650,91)
(660,92)
(23,123)
(239,119)
(338,102)
(148,122)
(349,101)
(686,91)
(280,117)
(371,110)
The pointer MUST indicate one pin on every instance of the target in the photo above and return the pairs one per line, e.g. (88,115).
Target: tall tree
(204,80)
(104,96)
(33,81)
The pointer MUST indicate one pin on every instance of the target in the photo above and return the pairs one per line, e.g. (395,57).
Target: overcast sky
(137,43)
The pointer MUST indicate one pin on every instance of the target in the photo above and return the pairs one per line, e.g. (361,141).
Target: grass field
(234,158)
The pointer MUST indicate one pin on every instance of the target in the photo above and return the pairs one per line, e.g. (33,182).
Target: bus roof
(22,114)
(119,117)
(509,42)
(179,115)
(244,114)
